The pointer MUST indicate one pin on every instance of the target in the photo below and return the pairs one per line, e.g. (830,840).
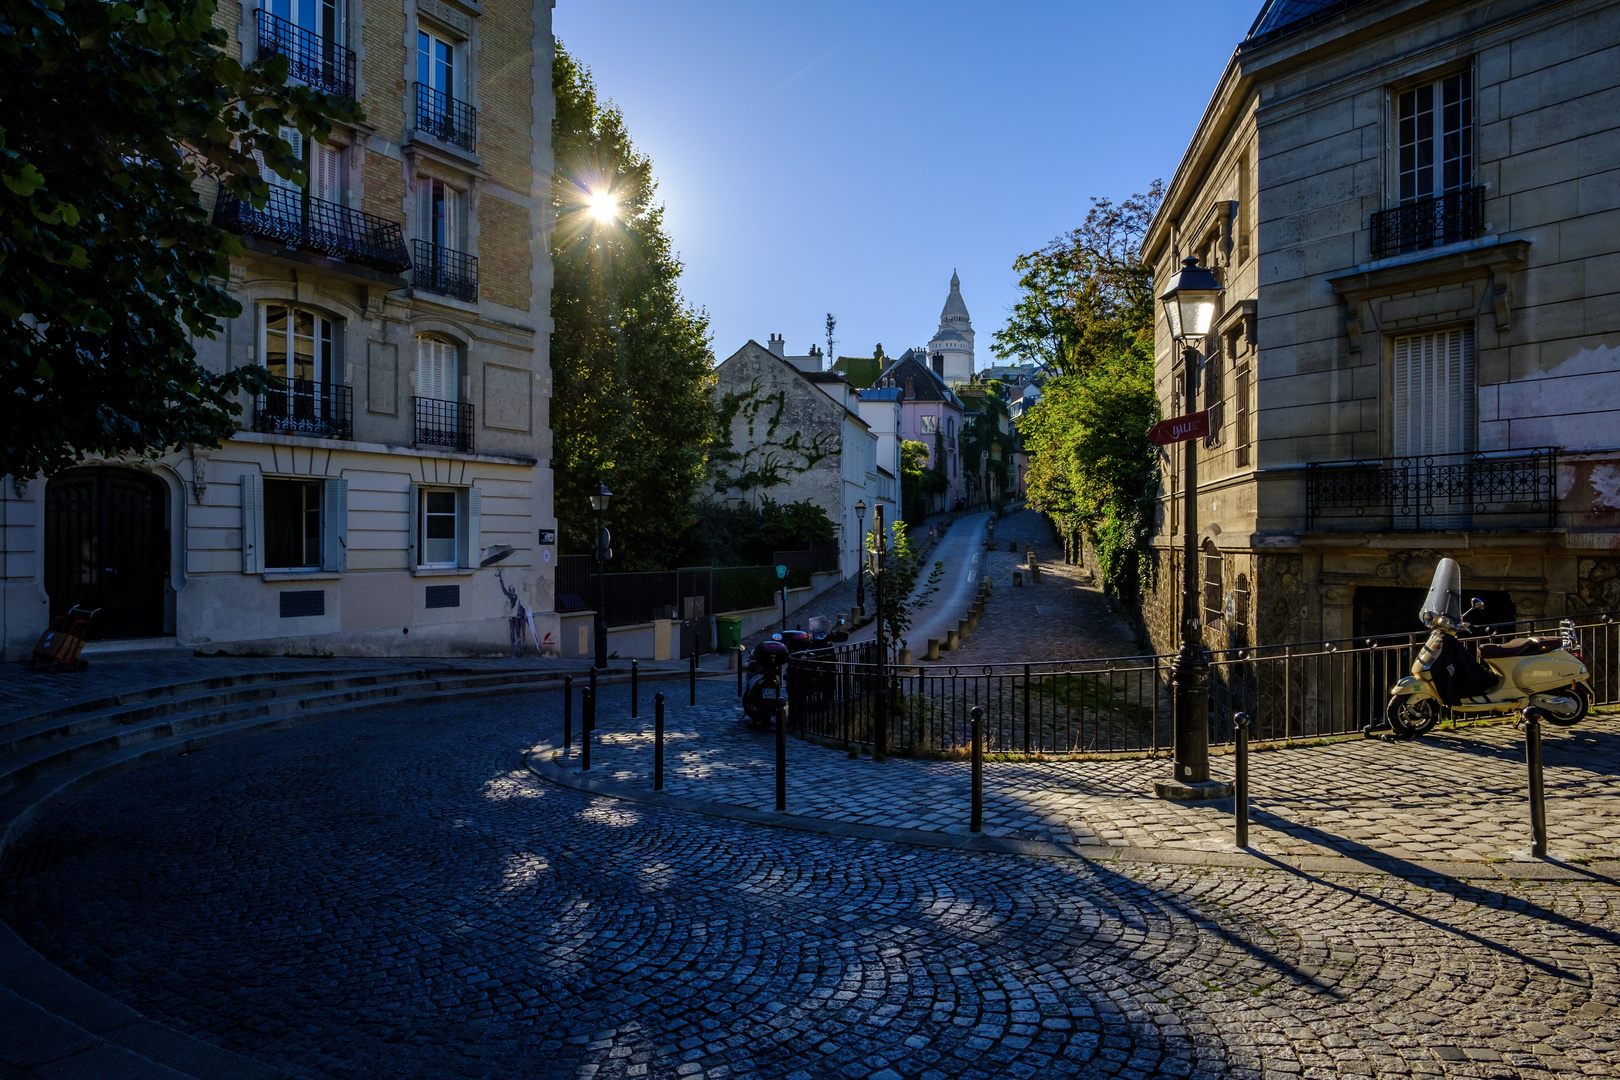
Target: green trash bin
(730,631)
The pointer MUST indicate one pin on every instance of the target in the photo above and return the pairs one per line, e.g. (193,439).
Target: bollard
(1538,793)
(691,679)
(593,696)
(658,742)
(976,820)
(1018,578)
(781,759)
(740,666)
(933,649)
(1240,790)
(568,711)
(962,629)
(587,721)
(953,641)
(633,689)
(905,657)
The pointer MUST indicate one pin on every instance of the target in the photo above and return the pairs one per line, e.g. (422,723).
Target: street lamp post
(1190,306)
(880,720)
(860,567)
(604,551)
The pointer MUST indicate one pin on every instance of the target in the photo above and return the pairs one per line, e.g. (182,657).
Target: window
(1215,391)
(318,17)
(301,349)
(436,63)
(928,423)
(1434,133)
(440,108)
(325,168)
(1214,594)
(1244,435)
(1433,397)
(437,374)
(298,345)
(294,523)
(446,527)
(440,213)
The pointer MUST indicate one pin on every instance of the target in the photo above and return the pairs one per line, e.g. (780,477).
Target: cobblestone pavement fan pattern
(1452,795)
(392,895)
(1065,617)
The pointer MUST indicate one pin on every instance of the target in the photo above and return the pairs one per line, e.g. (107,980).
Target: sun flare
(603,206)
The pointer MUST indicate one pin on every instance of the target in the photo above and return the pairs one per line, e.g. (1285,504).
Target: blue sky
(846,157)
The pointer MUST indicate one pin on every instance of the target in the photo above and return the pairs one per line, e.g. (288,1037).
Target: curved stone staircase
(51,1024)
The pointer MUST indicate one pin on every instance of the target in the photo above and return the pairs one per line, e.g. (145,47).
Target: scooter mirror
(1475,604)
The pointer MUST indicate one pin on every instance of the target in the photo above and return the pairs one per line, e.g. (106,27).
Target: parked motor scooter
(762,699)
(1546,672)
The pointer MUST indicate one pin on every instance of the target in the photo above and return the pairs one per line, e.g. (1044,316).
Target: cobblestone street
(393,894)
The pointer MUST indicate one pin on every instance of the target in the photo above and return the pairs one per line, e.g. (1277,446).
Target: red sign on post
(1180,429)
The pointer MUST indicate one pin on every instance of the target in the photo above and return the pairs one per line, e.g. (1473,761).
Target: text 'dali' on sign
(1180,429)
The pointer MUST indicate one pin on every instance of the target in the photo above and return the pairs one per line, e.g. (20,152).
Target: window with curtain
(298,345)
(440,213)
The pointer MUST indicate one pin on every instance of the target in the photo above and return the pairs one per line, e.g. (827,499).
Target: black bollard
(633,688)
(1538,793)
(691,679)
(658,742)
(587,721)
(568,711)
(781,758)
(976,821)
(1240,790)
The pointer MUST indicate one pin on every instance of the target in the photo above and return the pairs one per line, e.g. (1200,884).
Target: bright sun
(604,207)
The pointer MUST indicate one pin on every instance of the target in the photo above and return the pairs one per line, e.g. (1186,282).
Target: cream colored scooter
(1545,672)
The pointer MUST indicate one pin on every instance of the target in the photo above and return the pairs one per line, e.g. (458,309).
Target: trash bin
(730,631)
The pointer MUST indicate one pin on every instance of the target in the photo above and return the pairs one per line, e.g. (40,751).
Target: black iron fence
(438,269)
(690,593)
(444,423)
(1429,222)
(443,117)
(1298,691)
(301,407)
(1512,489)
(305,223)
(312,59)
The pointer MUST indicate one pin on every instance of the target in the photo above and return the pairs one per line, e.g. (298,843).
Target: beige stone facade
(408,310)
(1414,209)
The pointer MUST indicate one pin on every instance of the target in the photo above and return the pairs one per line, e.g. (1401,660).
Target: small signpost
(1180,429)
(781,575)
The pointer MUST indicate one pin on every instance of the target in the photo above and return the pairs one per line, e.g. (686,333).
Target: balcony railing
(444,423)
(1429,222)
(1511,488)
(323,410)
(311,224)
(443,117)
(311,59)
(450,273)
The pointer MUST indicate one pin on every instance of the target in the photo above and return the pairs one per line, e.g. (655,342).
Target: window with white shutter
(437,374)
(439,213)
(1433,396)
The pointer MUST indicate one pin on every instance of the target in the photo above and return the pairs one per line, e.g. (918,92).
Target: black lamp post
(860,568)
(1190,306)
(604,551)
(880,548)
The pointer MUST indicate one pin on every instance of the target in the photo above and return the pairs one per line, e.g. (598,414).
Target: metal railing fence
(305,223)
(442,270)
(1428,222)
(1516,488)
(444,423)
(312,58)
(443,117)
(1296,691)
(302,407)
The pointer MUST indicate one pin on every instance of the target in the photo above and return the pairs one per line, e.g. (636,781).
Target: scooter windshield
(1445,591)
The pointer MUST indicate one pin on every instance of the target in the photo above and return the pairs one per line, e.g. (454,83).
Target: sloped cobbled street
(395,894)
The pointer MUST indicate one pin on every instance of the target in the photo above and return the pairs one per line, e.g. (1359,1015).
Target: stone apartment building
(1414,209)
(800,436)
(402,301)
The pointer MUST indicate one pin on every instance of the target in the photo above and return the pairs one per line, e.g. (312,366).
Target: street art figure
(520,619)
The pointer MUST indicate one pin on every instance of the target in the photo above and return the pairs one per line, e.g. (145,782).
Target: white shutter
(335,525)
(436,370)
(326,165)
(292,137)
(252,523)
(472,541)
(424,208)
(1433,399)
(413,502)
(452,218)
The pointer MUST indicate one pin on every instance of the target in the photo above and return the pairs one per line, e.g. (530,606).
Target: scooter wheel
(1409,715)
(1583,702)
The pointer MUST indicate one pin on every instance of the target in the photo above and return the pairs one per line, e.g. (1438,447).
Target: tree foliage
(919,480)
(1088,308)
(109,265)
(985,425)
(1086,295)
(902,595)
(723,535)
(630,358)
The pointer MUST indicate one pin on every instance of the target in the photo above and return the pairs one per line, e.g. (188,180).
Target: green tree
(918,480)
(902,567)
(109,266)
(1087,294)
(630,359)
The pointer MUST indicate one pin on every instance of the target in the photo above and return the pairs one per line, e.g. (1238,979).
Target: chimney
(777,345)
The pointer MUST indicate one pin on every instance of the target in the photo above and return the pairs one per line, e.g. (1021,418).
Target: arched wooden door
(107,547)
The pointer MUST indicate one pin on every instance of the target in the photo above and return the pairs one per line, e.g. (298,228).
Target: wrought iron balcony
(323,410)
(449,273)
(1429,222)
(1513,489)
(443,117)
(444,423)
(306,223)
(311,59)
